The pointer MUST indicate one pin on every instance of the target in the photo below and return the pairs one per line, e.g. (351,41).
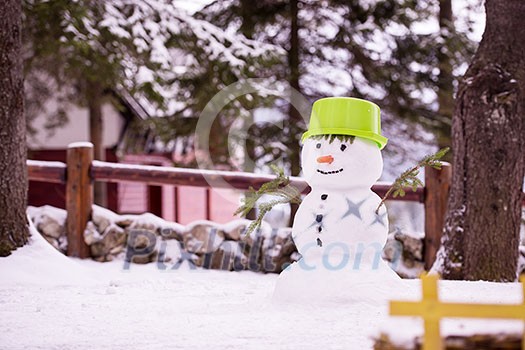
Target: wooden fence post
(208,203)
(176,199)
(79,197)
(437,185)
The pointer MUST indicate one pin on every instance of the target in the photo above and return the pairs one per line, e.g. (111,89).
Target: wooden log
(208,204)
(54,172)
(79,197)
(155,201)
(157,175)
(437,185)
(176,199)
(160,175)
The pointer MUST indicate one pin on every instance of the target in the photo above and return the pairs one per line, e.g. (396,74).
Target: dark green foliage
(279,187)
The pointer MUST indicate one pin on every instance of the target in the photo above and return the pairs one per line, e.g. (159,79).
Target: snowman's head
(341,162)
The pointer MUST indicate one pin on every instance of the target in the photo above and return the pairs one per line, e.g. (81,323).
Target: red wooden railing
(81,171)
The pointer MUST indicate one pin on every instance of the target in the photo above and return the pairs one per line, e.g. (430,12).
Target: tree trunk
(96,128)
(294,118)
(248,10)
(445,78)
(13,175)
(481,234)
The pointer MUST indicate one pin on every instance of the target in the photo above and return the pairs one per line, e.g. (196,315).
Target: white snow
(228,227)
(45,163)
(49,301)
(66,303)
(80,145)
(40,265)
(100,213)
(144,75)
(191,6)
(37,213)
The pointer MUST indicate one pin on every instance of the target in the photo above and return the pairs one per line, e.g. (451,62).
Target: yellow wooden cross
(432,311)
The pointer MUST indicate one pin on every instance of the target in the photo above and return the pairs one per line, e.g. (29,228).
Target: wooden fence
(81,171)
(432,310)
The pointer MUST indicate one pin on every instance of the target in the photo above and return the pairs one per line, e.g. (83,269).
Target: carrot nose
(325,159)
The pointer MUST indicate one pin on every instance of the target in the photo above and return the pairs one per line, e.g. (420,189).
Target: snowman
(337,230)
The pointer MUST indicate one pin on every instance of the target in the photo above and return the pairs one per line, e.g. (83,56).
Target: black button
(319,229)
(324,196)
(319,242)
(319,218)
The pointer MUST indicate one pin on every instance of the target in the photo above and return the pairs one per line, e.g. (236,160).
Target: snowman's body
(336,229)
(332,224)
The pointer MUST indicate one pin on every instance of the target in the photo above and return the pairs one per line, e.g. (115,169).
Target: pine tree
(350,48)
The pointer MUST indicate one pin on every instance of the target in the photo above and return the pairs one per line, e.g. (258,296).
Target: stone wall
(146,238)
(404,252)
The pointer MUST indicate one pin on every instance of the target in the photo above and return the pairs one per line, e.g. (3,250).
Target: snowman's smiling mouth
(329,172)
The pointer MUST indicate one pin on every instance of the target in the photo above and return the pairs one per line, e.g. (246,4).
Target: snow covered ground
(48,301)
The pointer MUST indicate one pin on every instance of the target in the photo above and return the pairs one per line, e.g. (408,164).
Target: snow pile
(40,264)
(51,223)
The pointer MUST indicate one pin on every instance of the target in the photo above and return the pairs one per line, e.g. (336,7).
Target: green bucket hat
(346,116)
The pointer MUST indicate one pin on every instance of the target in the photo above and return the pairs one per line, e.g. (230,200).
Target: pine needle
(279,187)
(409,177)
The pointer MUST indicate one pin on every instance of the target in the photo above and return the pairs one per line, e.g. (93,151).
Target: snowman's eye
(343,147)
(318,146)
